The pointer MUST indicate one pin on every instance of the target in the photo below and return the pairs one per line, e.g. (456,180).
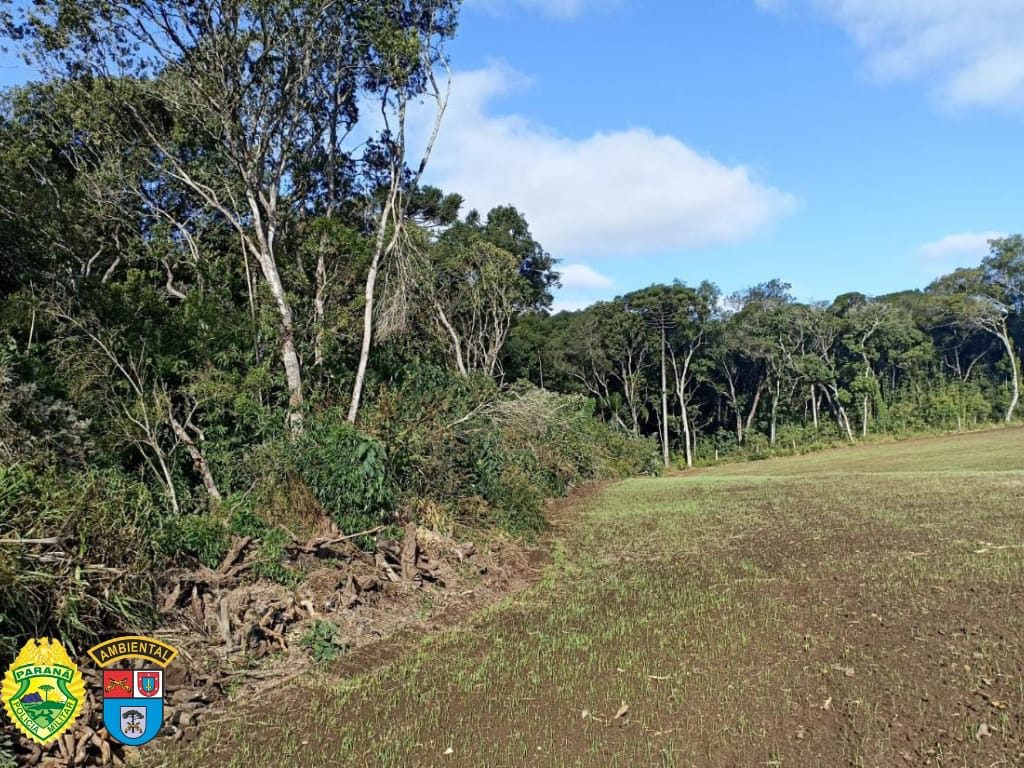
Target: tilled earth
(847,615)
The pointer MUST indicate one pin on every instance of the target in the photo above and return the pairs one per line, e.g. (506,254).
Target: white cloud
(581,276)
(570,305)
(559,9)
(962,248)
(973,49)
(627,191)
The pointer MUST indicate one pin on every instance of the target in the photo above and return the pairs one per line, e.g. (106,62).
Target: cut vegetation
(856,607)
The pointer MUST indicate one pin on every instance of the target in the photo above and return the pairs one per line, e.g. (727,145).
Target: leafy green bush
(346,471)
(202,536)
(461,442)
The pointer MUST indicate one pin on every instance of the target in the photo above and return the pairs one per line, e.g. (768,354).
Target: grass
(855,607)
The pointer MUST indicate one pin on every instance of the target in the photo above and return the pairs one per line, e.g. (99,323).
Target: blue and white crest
(133,705)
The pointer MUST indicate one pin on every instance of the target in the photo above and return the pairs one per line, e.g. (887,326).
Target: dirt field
(857,608)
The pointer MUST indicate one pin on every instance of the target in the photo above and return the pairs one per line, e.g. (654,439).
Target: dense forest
(229,302)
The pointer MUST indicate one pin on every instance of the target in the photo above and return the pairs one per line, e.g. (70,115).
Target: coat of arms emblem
(133,699)
(133,704)
(43,690)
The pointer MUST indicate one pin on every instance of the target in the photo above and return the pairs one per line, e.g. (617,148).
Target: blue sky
(881,138)
(840,145)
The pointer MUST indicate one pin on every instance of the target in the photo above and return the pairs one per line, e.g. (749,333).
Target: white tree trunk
(319,307)
(775,409)
(289,357)
(686,432)
(364,350)
(814,406)
(392,214)
(754,405)
(844,421)
(664,404)
(1014,373)
(198,459)
(456,341)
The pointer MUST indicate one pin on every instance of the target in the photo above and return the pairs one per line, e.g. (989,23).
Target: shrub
(346,471)
(96,578)
(322,642)
(493,456)
(200,536)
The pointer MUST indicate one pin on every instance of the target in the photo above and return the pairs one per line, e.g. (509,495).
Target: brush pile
(230,627)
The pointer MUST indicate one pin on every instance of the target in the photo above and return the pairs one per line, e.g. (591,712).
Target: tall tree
(265,86)
(986,299)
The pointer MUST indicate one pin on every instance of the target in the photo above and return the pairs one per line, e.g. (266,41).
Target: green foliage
(346,470)
(268,558)
(200,536)
(207,538)
(101,579)
(322,642)
(494,456)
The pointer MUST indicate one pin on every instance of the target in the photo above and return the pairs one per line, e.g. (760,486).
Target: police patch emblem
(133,704)
(43,690)
(133,699)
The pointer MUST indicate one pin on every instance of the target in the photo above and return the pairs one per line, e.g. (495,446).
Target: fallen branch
(51,540)
(315,544)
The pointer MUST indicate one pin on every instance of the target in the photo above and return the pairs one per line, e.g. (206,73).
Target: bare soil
(859,610)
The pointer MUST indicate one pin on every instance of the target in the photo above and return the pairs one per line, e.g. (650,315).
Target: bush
(203,537)
(493,456)
(97,578)
(346,471)
(322,642)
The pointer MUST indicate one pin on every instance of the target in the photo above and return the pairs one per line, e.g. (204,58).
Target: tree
(679,318)
(822,361)
(507,229)
(990,299)
(237,101)
(658,308)
(476,290)
(874,331)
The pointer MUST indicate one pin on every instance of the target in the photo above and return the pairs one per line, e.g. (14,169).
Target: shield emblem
(149,683)
(133,721)
(133,707)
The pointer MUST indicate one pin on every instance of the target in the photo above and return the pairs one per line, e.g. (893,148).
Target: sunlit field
(857,607)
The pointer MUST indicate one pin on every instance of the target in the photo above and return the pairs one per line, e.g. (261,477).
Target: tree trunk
(686,430)
(844,419)
(664,403)
(753,406)
(846,423)
(289,356)
(775,409)
(364,350)
(1015,373)
(265,231)
(198,459)
(167,478)
(319,309)
(814,406)
(681,379)
(734,404)
(460,362)
(391,213)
